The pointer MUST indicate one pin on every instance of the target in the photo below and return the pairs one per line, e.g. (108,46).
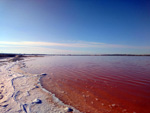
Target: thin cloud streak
(37,50)
(77,44)
(29,43)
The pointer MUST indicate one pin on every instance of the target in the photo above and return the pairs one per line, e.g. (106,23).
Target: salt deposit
(22,92)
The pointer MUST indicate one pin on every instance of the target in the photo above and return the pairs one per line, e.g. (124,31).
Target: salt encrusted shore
(22,92)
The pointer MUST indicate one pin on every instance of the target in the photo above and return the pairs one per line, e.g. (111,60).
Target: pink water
(97,84)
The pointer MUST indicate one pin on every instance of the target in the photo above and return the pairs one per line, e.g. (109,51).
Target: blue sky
(75,26)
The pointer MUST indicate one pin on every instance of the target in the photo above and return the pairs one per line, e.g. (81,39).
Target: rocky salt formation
(22,92)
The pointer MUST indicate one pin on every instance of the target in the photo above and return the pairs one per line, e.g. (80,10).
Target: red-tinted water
(97,84)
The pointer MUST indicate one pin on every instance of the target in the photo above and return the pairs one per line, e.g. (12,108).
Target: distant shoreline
(18,55)
(97,55)
(37,55)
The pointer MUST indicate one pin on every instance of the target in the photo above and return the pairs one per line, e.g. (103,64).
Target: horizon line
(121,54)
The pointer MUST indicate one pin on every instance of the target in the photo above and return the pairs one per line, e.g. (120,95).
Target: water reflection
(97,83)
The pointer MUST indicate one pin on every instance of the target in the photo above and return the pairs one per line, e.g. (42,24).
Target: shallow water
(97,84)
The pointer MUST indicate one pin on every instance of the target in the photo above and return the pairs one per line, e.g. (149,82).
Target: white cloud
(30,43)
(75,44)
(37,50)
(29,47)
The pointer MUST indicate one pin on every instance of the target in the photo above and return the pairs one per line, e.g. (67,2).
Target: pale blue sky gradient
(75,26)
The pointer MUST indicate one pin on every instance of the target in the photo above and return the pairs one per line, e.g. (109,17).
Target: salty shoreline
(22,92)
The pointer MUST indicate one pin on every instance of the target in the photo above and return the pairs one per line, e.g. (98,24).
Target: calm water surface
(97,84)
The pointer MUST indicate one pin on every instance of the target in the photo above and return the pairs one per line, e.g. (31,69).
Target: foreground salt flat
(22,92)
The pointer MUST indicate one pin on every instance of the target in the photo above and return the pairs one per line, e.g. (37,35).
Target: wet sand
(22,92)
